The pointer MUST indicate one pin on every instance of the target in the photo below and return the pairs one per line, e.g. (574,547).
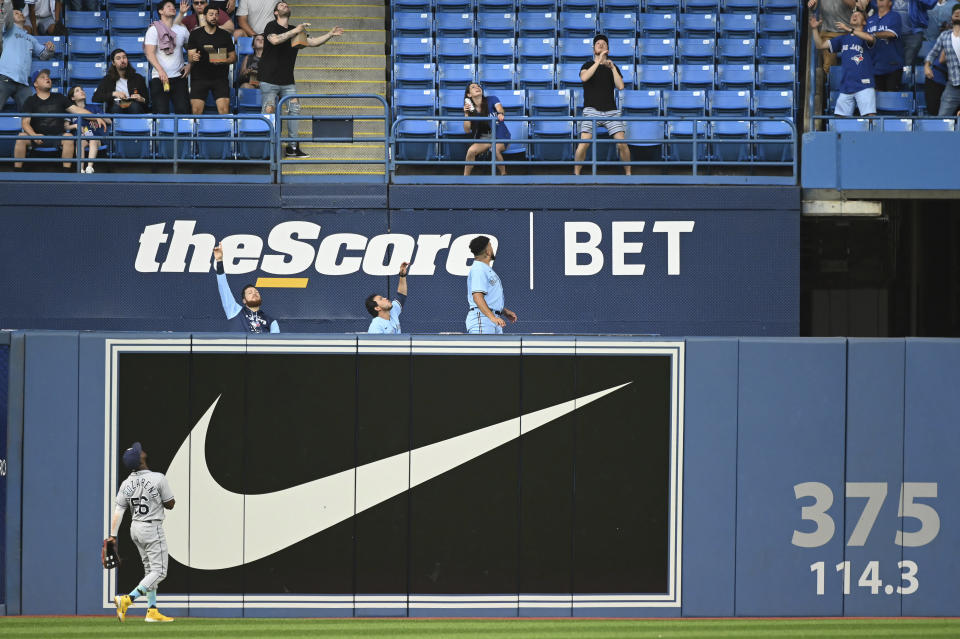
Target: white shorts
(612,126)
(865,99)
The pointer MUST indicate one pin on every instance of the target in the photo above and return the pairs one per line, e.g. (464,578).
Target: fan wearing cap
(247,318)
(145,494)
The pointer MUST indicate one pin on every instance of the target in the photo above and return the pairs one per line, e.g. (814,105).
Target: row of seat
(593,6)
(911,100)
(119,22)
(892,125)
(565,76)
(96,48)
(586,25)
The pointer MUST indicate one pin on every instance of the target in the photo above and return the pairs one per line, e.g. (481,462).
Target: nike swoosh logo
(201,532)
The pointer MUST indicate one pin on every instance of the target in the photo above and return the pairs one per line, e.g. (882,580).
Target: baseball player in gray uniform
(146,494)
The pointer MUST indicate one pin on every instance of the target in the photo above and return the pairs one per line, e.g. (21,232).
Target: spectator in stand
(948,45)
(18,49)
(211,52)
(913,19)
(857,83)
(278,61)
(477,105)
(249,71)
(938,20)
(89,144)
(253,15)
(831,12)
(45,102)
(46,17)
(600,77)
(122,90)
(196,19)
(163,46)
(884,25)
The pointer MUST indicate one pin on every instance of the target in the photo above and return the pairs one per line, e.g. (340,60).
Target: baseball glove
(108,554)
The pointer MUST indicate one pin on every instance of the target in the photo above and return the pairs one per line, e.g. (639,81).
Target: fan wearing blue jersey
(247,318)
(485,292)
(386,314)
(885,25)
(856,83)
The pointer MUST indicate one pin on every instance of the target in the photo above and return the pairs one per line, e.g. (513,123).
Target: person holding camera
(478,105)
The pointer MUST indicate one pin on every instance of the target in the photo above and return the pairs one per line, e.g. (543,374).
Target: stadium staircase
(351,64)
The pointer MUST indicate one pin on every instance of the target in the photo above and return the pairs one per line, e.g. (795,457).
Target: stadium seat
(455,50)
(735,77)
(568,75)
(770,51)
(450,101)
(417,6)
(514,102)
(680,140)
(625,6)
(409,50)
(518,131)
(701,6)
(457,6)
(456,140)
(942,125)
(617,24)
(731,141)
(414,101)
(210,142)
(535,76)
(127,5)
(496,50)
(656,50)
(496,6)
(623,50)
(578,25)
(895,103)
(647,139)
(59,45)
(134,142)
(251,100)
(695,76)
(85,72)
(574,50)
(167,147)
(657,25)
(629,74)
(56,69)
(90,22)
(454,25)
(88,47)
(662,6)
(133,45)
(729,103)
(834,77)
(640,102)
(412,25)
(776,76)
(684,103)
(655,76)
(496,25)
(9,126)
(784,7)
(414,75)
(773,142)
(736,51)
(580,6)
(546,103)
(773,104)
(698,25)
(896,125)
(783,27)
(422,136)
(740,6)
(129,23)
(536,50)
(738,26)
(561,136)
(537,6)
(849,125)
(696,50)
(496,77)
(456,76)
(537,25)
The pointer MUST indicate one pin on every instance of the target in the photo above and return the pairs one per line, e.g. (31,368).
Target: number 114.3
(870,578)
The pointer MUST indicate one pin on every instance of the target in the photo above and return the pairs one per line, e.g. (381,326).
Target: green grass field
(106,627)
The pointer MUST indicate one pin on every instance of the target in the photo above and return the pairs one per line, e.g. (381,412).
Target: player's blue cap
(131,456)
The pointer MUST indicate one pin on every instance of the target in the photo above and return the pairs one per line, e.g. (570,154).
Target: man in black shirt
(277,63)
(211,53)
(600,77)
(47,102)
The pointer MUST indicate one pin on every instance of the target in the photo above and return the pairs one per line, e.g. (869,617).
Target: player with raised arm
(386,314)
(145,494)
(248,317)
(485,292)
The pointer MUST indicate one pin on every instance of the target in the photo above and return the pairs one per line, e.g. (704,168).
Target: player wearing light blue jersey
(248,317)
(386,314)
(485,292)
(145,494)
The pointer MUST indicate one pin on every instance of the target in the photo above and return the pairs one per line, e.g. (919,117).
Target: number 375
(875,493)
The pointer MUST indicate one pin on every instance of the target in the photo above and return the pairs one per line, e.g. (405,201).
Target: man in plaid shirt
(949,45)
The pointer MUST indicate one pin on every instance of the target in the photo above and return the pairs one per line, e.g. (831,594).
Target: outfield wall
(548,476)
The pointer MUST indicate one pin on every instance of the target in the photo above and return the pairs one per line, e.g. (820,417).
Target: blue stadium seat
(422,144)
(580,6)
(537,25)
(254,141)
(457,6)
(629,74)
(552,130)
(251,100)
(496,25)
(496,6)
(661,6)
(454,25)
(9,126)
(736,50)
(129,23)
(849,125)
(127,5)
(735,77)
(834,77)
(701,6)
(895,103)
(773,142)
(740,26)
(680,136)
(657,25)
(785,7)
(90,22)
(695,76)
(536,50)
(623,50)
(133,45)
(656,50)
(455,50)
(779,26)
(578,25)
(938,125)
(655,77)
(452,76)
(571,50)
(730,103)
(640,102)
(647,136)
(535,76)
(731,141)
(210,142)
(514,102)
(537,6)
(773,103)
(412,25)
(451,101)
(568,75)
(684,103)
(624,6)
(518,131)
(414,101)
(496,50)
(740,6)
(555,102)
(896,125)
(698,25)
(770,51)
(59,45)
(88,47)
(408,50)
(622,24)
(776,76)
(182,147)
(412,6)
(456,141)
(414,75)
(496,77)
(134,143)
(696,50)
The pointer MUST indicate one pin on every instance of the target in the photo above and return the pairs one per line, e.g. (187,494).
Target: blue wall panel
(791,422)
(710,478)
(4,386)
(931,448)
(874,465)
(50,475)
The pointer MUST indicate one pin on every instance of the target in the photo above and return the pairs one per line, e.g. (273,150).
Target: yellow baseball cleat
(154,615)
(123,602)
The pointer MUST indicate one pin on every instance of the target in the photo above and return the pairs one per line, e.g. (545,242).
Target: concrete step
(301,11)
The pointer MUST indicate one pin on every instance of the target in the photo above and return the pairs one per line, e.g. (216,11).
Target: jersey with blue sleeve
(245,319)
(390,326)
(887,52)
(483,279)
(855,63)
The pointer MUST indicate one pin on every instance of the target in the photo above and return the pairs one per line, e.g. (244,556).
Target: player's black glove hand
(108,554)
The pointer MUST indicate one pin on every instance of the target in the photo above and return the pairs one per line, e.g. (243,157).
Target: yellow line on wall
(282,282)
